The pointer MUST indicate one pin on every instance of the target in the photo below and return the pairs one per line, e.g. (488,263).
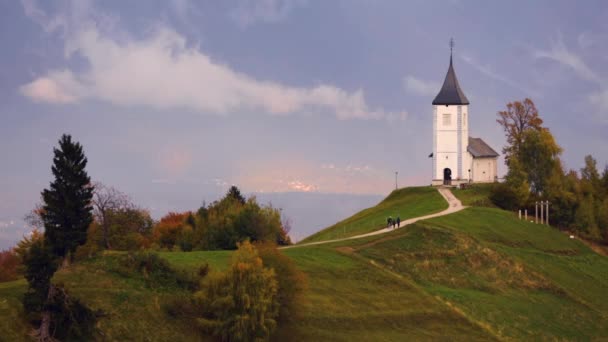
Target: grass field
(217,260)
(479,274)
(520,280)
(405,203)
(476,195)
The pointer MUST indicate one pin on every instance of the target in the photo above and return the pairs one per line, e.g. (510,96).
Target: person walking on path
(389,221)
(398,221)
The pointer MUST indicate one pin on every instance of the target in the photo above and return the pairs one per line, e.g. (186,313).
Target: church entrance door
(447,176)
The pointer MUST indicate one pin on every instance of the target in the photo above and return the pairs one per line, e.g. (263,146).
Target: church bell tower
(450,131)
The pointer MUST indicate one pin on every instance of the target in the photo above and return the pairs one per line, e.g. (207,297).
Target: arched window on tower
(464,119)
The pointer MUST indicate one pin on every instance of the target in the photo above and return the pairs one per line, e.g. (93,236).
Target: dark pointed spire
(450,93)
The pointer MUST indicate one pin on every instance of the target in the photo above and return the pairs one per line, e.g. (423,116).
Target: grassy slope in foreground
(405,203)
(517,279)
(133,310)
(347,300)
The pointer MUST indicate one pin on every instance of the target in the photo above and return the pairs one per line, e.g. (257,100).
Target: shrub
(291,281)
(71,319)
(240,304)
(181,306)
(9,265)
(39,269)
(503,196)
(156,271)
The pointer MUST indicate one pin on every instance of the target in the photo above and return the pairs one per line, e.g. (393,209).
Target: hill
(479,274)
(405,203)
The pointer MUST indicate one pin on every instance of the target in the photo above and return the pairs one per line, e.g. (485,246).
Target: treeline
(79,219)
(119,224)
(219,225)
(578,200)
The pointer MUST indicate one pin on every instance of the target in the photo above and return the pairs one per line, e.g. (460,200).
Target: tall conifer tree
(67,210)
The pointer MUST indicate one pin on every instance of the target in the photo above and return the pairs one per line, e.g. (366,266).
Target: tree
(9,265)
(106,200)
(168,229)
(604,182)
(67,210)
(516,120)
(130,228)
(40,265)
(538,154)
(34,217)
(291,281)
(590,178)
(240,304)
(27,241)
(235,193)
(517,189)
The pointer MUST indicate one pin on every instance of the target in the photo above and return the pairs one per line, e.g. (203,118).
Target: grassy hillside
(351,300)
(517,279)
(479,274)
(476,195)
(405,203)
(132,308)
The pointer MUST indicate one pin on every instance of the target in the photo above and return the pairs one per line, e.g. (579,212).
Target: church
(457,157)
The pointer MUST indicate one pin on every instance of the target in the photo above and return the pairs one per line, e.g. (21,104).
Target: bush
(39,269)
(181,306)
(503,196)
(10,264)
(70,319)
(240,304)
(291,281)
(156,271)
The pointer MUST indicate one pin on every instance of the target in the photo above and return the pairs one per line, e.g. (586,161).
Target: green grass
(405,203)
(350,300)
(217,260)
(520,280)
(476,195)
(12,324)
(133,309)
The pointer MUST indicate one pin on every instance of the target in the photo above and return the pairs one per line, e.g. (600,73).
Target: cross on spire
(451,46)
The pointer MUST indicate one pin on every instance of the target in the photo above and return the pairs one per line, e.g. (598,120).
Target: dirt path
(454,205)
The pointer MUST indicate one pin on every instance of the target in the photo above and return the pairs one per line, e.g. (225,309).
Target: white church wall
(484,170)
(446,138)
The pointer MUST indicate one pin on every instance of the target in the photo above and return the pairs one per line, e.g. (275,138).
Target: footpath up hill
(478,274)
(405,203)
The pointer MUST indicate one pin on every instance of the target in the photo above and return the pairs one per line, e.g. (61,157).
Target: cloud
(420,87)
(6,224)
(585,40)
(249,12)
(285,174)
(47,89)
(175,160)
(34,12)
(560,53)
(600,100)
(489,72)
(161,71)
(300,186)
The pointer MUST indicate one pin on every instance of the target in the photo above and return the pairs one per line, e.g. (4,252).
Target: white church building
(457,157)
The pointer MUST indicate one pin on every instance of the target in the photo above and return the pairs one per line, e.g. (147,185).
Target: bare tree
(34,217)
(106,200)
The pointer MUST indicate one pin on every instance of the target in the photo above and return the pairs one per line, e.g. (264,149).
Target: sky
(313,105)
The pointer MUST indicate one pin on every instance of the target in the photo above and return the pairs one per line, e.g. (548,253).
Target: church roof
(479,149)
(450,93)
